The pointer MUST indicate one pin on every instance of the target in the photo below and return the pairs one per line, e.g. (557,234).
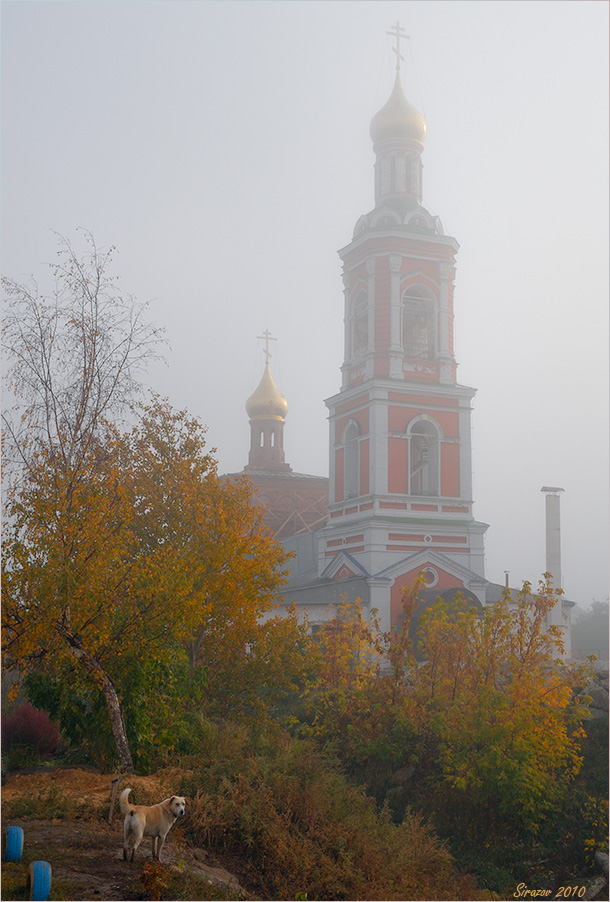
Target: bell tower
(294,504)
(400,493)
(267,409)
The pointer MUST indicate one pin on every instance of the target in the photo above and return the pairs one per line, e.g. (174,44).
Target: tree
(346,704)
(74,355)
(116,544)
(501,707)
(149,553)
(218,563)
(487,726)
(68,561)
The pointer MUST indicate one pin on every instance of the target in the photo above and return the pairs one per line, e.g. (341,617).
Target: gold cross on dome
(398,32)
(267,337)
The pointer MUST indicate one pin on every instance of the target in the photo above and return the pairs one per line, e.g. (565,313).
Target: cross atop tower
(267,337)
(398,32)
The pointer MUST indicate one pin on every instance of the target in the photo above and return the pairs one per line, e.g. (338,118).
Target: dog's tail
(123,801)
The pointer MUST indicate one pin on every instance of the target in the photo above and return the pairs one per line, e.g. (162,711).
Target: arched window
(360,325)
(418,333)
(424,459)
(351,465)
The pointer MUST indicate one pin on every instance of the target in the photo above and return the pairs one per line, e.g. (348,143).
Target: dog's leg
(124,854)
(154,846)
(133,852)
(161,840)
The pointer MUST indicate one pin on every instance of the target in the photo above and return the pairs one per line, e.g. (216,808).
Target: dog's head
(177,805)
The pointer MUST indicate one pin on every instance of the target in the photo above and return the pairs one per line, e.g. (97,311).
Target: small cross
(398,32)
(267,338)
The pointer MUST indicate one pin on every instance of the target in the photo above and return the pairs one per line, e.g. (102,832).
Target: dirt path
(86,853)
(87,859)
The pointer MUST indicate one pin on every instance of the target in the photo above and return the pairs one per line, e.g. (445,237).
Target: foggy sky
(224,148)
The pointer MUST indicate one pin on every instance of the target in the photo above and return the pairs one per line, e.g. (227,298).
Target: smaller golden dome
(398,119)
(267,401)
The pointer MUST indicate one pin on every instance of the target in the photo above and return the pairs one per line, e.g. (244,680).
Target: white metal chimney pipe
(553,534)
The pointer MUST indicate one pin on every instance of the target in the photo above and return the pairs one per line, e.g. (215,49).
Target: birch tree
(75,356)
(117,543)
(148,555)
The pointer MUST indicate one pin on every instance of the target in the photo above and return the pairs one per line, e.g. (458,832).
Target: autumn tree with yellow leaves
(74,354)
(483,726)
(118,545)
(149,555)
(499,708)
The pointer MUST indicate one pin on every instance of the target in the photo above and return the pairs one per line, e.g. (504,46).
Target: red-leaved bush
(29,727)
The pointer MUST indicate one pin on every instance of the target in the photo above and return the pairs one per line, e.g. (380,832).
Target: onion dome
(267,401)
(398,119)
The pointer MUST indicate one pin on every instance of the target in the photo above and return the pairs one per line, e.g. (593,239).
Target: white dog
(149,820)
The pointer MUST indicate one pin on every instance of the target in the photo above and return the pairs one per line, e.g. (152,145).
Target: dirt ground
(82,783)
(86,853)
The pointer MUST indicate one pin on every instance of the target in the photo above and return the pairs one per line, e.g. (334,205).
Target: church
(399,498)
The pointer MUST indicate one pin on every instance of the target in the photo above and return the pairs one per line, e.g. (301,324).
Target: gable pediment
(427,557)
(344,566)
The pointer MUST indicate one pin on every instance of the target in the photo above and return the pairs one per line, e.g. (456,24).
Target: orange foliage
(138,549)
(500,704)
(488,719)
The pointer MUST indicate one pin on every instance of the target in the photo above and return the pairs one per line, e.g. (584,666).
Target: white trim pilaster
(395,317)
(465,427)
(444,314)
(347,327)
(379,598)
(378,444)
(369,362)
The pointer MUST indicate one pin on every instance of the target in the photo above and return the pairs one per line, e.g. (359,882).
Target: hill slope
(64,814)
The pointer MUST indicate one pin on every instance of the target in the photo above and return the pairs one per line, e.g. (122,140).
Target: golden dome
(398,119)
(267,401)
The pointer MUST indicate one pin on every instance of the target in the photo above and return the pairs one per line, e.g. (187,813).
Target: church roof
(495,591)
(274,474)
(321,594)
(398,119)
(267,400)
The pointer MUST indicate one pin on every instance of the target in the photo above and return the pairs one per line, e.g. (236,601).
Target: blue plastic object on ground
(39,881)
(14,843)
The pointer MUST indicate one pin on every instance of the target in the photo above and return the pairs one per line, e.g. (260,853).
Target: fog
(224,148)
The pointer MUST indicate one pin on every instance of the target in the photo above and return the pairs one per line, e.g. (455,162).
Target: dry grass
(301,830)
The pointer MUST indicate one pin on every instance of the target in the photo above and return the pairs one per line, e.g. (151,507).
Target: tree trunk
(112,700)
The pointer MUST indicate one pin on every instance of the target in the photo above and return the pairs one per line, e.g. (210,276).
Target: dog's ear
(172,798)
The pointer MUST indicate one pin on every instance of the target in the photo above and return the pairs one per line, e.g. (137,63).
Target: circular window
(427,539)
(430,577)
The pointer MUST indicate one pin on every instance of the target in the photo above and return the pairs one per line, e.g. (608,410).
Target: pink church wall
(445,581)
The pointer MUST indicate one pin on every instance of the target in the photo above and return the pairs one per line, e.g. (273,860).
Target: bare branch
(75,357)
